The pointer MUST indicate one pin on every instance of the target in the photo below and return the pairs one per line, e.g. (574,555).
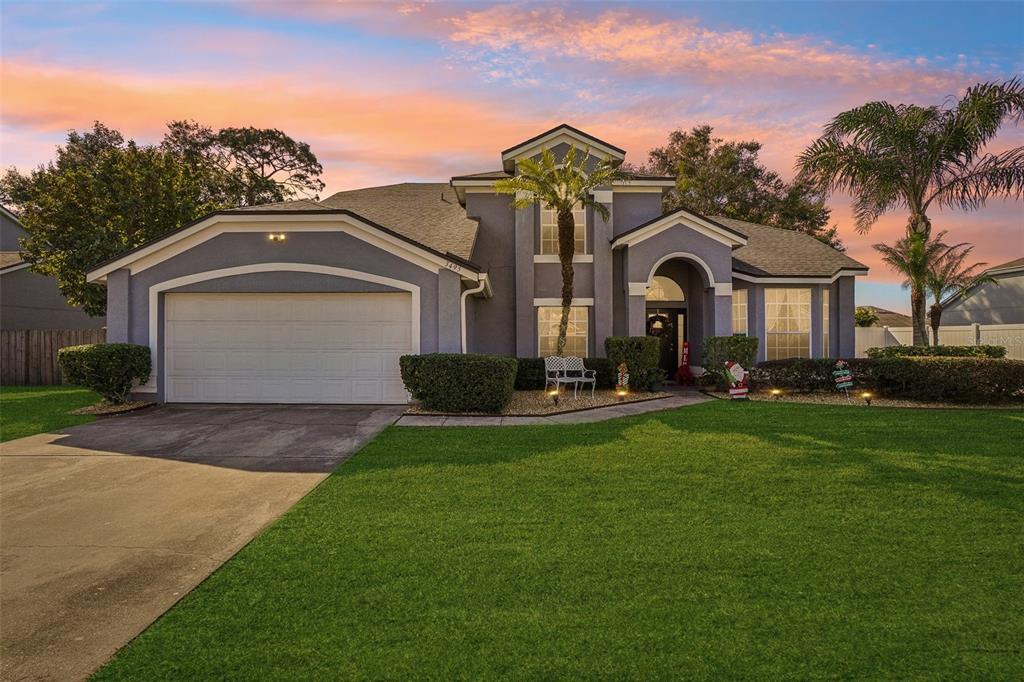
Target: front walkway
(108,524)
(681,398)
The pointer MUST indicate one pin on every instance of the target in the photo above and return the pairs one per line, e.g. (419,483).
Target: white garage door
(286,348)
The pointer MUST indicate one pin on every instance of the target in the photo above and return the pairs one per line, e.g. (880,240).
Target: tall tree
(905,156)
(263,165)
(949,274)
(561,186)
(913,257)
(718,177)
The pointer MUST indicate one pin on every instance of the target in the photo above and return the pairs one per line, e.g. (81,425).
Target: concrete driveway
(106,525)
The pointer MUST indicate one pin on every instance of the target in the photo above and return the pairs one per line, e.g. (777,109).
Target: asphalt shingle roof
(775,252)
(9,258)
(887,318)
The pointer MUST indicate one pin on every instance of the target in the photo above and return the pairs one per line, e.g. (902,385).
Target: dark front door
(669,325)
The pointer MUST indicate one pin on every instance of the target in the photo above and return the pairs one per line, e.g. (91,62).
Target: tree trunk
(918,316)
(934,316)
(920,224)
(566,250)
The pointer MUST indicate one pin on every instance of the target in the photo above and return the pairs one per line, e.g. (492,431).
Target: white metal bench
(568,370)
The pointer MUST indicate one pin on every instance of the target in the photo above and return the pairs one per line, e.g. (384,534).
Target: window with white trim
(664,289)
(548,318)
(788,323)
(824,322)
(739,311)
(549,230)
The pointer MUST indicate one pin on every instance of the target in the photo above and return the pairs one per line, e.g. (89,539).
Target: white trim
(798,280)
(191,237)
(642,185)
(682,254)
(474,183)
(11,216)
(553,258)
(557,136)
(688,220)
(557,302)
(474,189)
(638,289)
(603,196)
(156,289)
(723,289)
(14,268)
(536,321)
(465,294)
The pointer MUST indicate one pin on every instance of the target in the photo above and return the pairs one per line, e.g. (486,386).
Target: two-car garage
(286,347)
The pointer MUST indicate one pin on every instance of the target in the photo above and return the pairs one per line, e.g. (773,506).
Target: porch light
(867,397)
(277,236)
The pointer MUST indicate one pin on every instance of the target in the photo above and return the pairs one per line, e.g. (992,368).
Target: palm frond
(992,175)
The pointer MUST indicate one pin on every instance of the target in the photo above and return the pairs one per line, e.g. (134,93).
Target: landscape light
(554,394)
(776,392)
(867,397)
(621,392)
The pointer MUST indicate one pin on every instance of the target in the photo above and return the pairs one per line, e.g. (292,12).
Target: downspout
(467,292)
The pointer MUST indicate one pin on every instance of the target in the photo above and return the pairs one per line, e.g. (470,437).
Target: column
(603,291)
(526,316)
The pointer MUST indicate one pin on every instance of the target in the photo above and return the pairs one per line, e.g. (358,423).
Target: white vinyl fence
(1009,335)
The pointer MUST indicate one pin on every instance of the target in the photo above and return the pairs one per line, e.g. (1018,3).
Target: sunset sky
(422,91)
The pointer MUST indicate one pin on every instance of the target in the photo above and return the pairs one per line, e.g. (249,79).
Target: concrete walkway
(108,524)
(681,398)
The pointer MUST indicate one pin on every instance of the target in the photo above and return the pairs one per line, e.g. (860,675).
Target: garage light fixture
(277,236)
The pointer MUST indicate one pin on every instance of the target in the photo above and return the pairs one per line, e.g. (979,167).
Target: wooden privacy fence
(29,357)
(1009,335)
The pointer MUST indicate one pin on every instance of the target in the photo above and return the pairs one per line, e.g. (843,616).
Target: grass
(740,541)
(27,410)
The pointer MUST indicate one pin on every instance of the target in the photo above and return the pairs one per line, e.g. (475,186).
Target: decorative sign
(843,376)
(683,375)
(738,379)
(622,380)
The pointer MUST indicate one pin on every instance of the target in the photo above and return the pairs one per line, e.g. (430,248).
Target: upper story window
(549,230)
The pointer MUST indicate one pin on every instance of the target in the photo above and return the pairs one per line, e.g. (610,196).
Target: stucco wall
(31,301)
(10,232)
(1001,303)
(494,319)
(634,208)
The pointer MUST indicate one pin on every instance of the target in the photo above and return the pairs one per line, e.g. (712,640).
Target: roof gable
(681,216)
(557,135)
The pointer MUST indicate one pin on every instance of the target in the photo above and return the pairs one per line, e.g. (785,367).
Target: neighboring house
(1001,302)
(29,300)
(307,301)
(887,318)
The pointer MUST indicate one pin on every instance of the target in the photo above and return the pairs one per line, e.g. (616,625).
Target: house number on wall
(452,266)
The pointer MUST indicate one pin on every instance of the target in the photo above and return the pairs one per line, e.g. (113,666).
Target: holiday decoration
(683,375)
(622,379)
(843,377)
(738,379)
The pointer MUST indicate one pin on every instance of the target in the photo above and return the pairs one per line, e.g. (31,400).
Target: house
(999,302)
(888,318)
(29,300)
(315,301)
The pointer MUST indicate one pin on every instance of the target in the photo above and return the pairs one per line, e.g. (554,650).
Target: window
(824,323)
(788,321)
(549,230)
(664,289)
(739,311)
(576,334)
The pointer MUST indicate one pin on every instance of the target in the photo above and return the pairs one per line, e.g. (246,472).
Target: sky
(421,91)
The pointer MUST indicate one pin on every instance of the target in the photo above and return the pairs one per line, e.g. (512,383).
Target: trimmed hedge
(453,382)
(947,379)
(530,375)
(642,354)
(938,351)
(720,349)
(110,369)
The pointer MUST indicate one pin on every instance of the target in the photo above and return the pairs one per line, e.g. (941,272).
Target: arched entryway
(674,310)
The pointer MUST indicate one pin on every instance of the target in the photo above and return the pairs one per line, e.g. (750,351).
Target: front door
(669,325)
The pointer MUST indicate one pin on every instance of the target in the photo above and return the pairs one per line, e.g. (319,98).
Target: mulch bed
(836,398)
(107,410)
(539,403)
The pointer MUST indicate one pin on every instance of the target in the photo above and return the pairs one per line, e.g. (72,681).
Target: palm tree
(561,186)
(913,257)
(948,275)
(917,158)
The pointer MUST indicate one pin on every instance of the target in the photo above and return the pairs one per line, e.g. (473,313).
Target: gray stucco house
(29,300)
(309,301)
(1001,302)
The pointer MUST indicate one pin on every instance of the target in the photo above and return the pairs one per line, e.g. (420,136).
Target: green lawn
(739,541)
(25,410)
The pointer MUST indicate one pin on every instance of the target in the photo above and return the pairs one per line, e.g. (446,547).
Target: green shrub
(720,349)
(530,375)
(938,351)
(110,369)
(946,379)
(453,382)
(642,354)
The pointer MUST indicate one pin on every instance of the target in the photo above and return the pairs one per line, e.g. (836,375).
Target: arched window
(664,289)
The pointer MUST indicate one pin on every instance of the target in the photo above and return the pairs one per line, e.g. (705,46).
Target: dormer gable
(563,134)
